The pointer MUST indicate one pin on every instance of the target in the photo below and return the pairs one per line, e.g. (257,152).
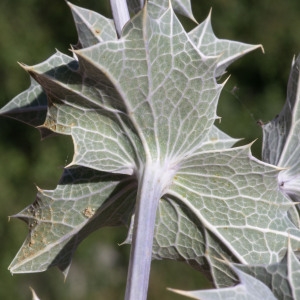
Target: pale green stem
(148,196)
(120,14)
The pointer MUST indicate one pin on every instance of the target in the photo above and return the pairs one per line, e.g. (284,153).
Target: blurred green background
(30,31)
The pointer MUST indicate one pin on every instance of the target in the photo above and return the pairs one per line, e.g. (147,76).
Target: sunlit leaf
(229,51)
(92,27)
(141,111)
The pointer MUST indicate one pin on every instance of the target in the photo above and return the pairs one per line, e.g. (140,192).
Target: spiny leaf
(223,204)
(168,109)
(84,201)
(29,107)
(231,196)
(81,107)
(282,277)
(281,138)
(205,40)
(92,28)
(282,126)
(249,289)
(141,112)
(154,80)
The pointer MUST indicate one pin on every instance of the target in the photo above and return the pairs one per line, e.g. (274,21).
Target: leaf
(205,40)
(29,107)
(217,139)
(84,201)
(280,138)
(223,203)
(92,28)
(186,113)
(282,277)
(149,74)
(248,289)
(81,114)
(141,111)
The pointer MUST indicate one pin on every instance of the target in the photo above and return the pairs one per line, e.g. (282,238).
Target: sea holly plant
(139,98)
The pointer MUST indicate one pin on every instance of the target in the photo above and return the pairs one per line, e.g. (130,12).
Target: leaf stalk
(149,193)
(120,14)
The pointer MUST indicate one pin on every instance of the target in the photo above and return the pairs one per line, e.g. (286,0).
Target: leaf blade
(59,220)
(205,40)
(145,88)
(249,289)
(92,28)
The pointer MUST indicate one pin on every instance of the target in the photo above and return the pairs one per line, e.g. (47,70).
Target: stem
(120,14)
(148,196)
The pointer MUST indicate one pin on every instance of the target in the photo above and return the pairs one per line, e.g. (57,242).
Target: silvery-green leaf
(282,277)
(83,108)
(86,101)
(58,220)
(217,139)
(153,77)
(141,112)
(133,94)
(224,203)
(180,236)
(29,107)
(281,138)
(282,127)
(205,40)
(249,288)
(92,27)
(236,198)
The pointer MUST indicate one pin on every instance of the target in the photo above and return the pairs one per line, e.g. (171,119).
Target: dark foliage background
(30,31)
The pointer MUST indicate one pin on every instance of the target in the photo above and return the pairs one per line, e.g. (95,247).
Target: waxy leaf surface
(229,51)
(147,101)
(84,201)
(92,28)
(224,203)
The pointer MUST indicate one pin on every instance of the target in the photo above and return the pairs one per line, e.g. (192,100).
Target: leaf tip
(23,66)
(181,292)
(226,80)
